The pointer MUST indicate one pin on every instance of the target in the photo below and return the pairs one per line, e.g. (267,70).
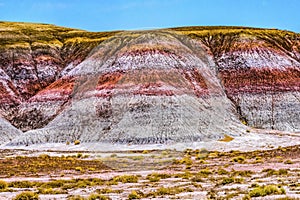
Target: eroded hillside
(142,87)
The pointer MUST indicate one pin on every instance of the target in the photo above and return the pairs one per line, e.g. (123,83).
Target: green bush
(27,196)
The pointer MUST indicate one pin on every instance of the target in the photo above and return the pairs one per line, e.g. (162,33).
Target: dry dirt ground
(152,174)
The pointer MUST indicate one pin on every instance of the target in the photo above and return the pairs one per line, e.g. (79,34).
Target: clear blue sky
(103,15)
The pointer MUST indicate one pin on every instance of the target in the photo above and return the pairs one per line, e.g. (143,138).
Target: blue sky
(104,15)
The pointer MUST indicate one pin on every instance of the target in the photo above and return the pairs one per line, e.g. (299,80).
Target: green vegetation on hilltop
(13,34)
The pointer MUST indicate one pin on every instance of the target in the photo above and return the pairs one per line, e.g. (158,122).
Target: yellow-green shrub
(27,196)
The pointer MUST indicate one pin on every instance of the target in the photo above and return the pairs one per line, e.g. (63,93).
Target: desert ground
(230,168)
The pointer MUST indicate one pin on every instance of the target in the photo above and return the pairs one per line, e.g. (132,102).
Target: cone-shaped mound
(140,88)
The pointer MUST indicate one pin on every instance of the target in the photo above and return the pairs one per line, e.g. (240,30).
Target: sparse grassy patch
(51,191)
(272,172)
(245,173)
(204,173)
(27,195)
(98,197)
(162,191)
(45,164)
(222,171)
(228,180)
(266,190)
(126,179)
(108,190)
(155,177)
(185,175)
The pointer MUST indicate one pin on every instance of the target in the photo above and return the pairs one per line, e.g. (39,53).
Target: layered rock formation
(161,86)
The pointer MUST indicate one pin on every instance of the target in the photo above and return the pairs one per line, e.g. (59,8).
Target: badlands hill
(145,87)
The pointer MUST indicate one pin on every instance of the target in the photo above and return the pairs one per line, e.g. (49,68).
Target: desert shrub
(239,180)
(21,184)
(204,173)
(271,172)
(79,169)
(213,155)
(44,156)
(145,152)
(239,159)
(171,191)
(246,197)
(185,175)
(254,185)
(53,184)
(76,142)
(165,153)
(50,191)
(136,157)
(288,198)
(282,172)
(98,197)
(266,190)
(226,138)
(113,155)
(96,181)
(27,196)
(108,190)
(288,162)
(228,180)
(155,177)
(3,185)
(197,178)
(126,179)
(188,151)
(246,173)
(211,194)
(258,159)
(222,171)
(76,197)
(186,160)
(134,195)
(91,169)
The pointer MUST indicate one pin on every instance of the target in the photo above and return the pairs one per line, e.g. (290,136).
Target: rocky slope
(161,86)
